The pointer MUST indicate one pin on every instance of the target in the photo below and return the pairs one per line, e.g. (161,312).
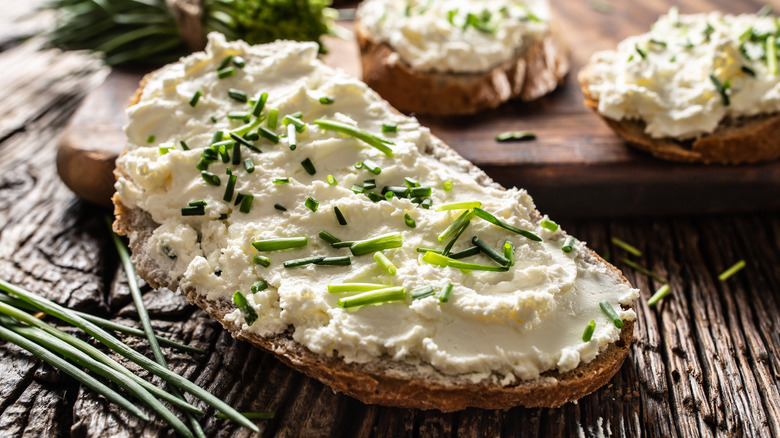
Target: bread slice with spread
(458,57)
(696,88)
(298,208)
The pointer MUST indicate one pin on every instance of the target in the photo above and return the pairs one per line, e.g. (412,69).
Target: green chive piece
(258,286)
(239,198)
(308,166)
(273,116)
(410,183)
(184,145)
(495,221)
(489,251)
(197,203)
(422,292)
(426,203)
(211,178)
(466,216)
(216,137)
(408,219)
(385,241)
(330,238)
(550,225)
(378,296)
(444,294)
(748,70)
(331,180)
(771,53)
(611,314)
(335,261)
(224,62)
(280,243)
(342,244)
(246,203)
(435,251)
(369,184)
(237,95)
(455,237)
(326,100)
(515,136)
(226,73)
(658,295)
(213,119)
(250,415)
(291,119)
(150,139)
(644,270)
(372,167)
(722,89)
(626,246)
(589,329)
(195,97)
(440,260)
(399,192)
(302,262)
(164,150)
(280,207)
(250,316)
(249,165)
(732,270)
(243,116)
(375,197)
(261,260)
(568,244)
(372,140)
(385,262)
(468,252)
(419,192)
(447,186)
(458,206)
(354,287)
(243,141)
(259,105)
(356,189)
(641,52)
(231,185)
(284,180)
(312,204)
(657,42)
(196,210)
(509,252)
(292,138)
(339,216)
(389,127)
(236,153)
(240,63)
(268,135)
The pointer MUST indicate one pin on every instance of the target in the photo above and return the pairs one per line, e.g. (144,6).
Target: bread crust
(735,141)
(531,75)
(388,382)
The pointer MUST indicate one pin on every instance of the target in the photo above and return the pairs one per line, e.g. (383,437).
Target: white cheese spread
(455,36)
(670,77)
(501,325)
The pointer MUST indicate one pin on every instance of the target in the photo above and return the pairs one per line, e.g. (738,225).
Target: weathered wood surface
(706,362)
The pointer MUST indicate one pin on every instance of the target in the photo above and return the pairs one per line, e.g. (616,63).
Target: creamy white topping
(505,325)
(459,36)
(663,76)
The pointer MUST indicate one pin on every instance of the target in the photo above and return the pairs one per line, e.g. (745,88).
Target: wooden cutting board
(575,168)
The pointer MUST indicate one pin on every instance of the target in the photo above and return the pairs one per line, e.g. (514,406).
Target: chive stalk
(354,287)
(302,262)
(468,252)
(458,206)
(732,270)
(283,180)
(339,216)
(462,227)
(258,286)
(268,135)
(495,221)
(385,241)
(723,87)
(273,117)
(389,127)
(308,166)
(378,296)
(195,97)
(588,333)
(259,104)
(515,136)
(299,125)
(447,186)
(261,260)
(326,100)
(509,252)
(568,244)
(246,203)
(626,246)
(422,292)
(353,131)
(385,263)
(611,314)
(280,243)
(250,316)
(229,188)
(292,138)
(550,225)
(444,294)
(372,167)
(771,54)
(335,261)
(237,95)
(330,238)
(444,261)
(662,292)
(280,207)
(409,220)
(312,204)
(489,251)
(643,270)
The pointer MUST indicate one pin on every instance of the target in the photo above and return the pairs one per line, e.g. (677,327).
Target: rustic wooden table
(704,362)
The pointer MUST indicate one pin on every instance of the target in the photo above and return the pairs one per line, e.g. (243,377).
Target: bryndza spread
(456,36)
(670,76)
(497,325)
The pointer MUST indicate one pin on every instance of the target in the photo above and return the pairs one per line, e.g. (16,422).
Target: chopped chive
(299,125)
(339,216)
(732,270)
(240,63)
(326,100)
(150,139)
(424,250)
(722,89)
(258,286)
(372,167)
(237,95)
(292,138)
(458,205)
(356,189)
(195,203)
(489,251)
(302,262)
(354,287)
(771,54)
(330,238)
(657,42)
(588,333)
(495,221)
(197,210)
(335,261)
(611,314)
(550,225)
(468,252)
(239,198)
(261,260)
(408,219)
(195,97)
(421,192)
(385,262)
(369,184)
(231,185)
(216,137)
(226,73)
(444,294)
(456,236)
(748,70)
(243,116)
(259,105)
(389,196)
(515,136)
(453,228)
(331,180)
(372,140)
(658,295)
(243,141)
(342,244)
(568,244)
(378,296)
(280,243)
(224,62)
(375,197)
(385,241)
(308,166)
(236,153)
(399,192)
(280,207)
(440,260)
(311,203)
(641,52)
(426,203)
(447,186)
(422,292)
(250,316)
(644,270)
(213,119)
(249,165)
(509,252)
(268,135)
(410,183)
(389,127)
(273,116)
(626,246)
(184,145)
(224,153)
(246,203)
(210,178)
(284,180)
(164,150)
(359,165)
(223,216)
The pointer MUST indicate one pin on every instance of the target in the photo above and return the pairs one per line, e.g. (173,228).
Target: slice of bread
(388,381)
(533,73)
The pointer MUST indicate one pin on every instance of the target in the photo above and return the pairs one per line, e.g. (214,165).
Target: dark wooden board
(577,166)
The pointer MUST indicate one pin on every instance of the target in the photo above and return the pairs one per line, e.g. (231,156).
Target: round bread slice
(532,74)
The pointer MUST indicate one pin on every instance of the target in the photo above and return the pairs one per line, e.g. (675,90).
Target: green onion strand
(611,314)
